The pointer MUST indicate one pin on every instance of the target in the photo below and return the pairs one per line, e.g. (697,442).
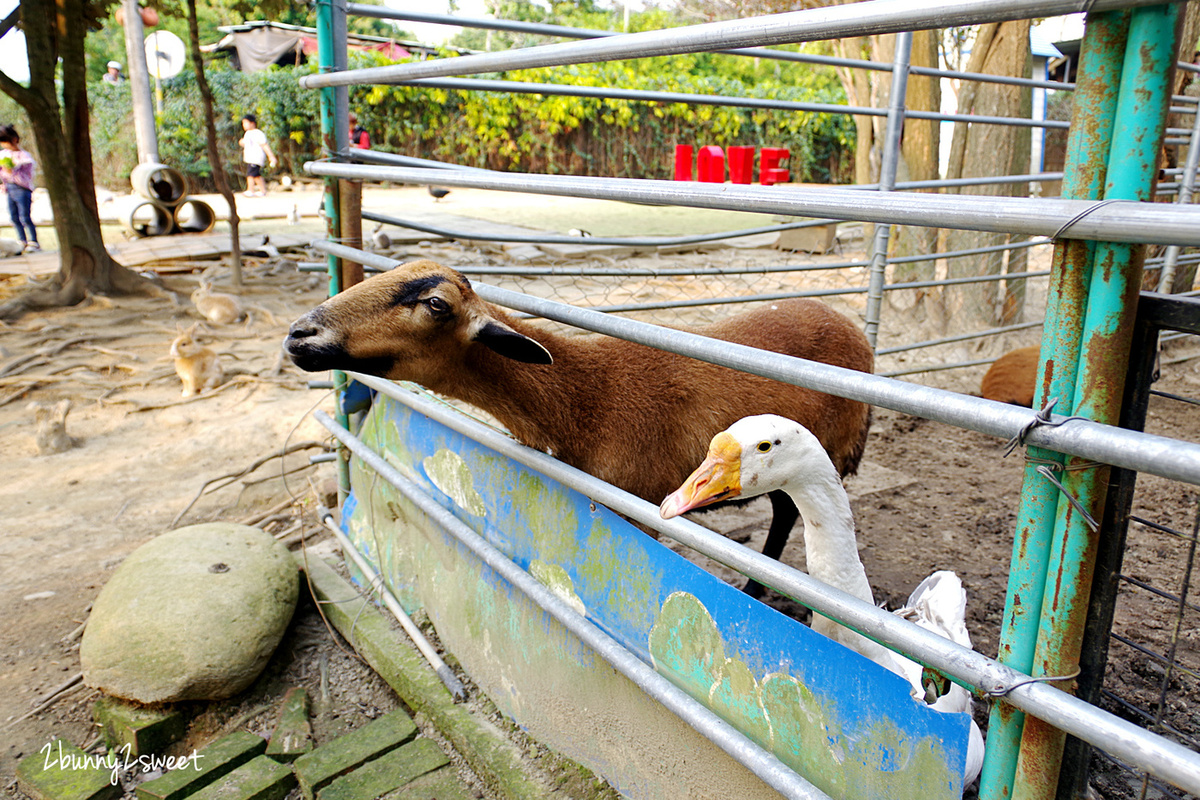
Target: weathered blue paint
(843,722)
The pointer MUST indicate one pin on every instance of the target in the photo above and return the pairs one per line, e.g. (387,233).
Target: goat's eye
(764,447)
(437,305)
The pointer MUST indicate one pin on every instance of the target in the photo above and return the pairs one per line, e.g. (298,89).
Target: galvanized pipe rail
(1156,455)
(772,296)
(545,29)
(649,96)
(1164,758)
(1120,221)
(857,19)
(355,155)
(550,238)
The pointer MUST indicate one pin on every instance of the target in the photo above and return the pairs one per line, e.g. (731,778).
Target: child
(16,170)
(358,134)
(255,152)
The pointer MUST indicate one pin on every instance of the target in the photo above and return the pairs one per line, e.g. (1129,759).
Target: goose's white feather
(766,453)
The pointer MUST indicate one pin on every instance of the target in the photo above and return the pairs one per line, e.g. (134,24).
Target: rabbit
(217,307)
(51,436)
(196,365)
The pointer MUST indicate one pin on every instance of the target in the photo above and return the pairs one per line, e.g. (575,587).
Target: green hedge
(534,133)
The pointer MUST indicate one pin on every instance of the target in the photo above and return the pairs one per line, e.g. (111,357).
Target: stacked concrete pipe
(166,208)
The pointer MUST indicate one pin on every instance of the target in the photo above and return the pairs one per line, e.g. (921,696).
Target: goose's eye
(764,447)
(437,305)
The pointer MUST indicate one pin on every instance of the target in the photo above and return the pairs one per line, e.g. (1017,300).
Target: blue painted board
(845,723)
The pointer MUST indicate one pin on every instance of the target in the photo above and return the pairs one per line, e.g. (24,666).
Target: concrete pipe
(162,184)
(149,218)
(194,216)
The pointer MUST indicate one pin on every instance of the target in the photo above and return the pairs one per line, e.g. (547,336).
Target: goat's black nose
(303,328)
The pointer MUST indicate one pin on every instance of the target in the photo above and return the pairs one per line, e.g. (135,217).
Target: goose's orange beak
(717,479)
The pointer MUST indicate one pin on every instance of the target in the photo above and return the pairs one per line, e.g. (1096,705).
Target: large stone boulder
(192,615)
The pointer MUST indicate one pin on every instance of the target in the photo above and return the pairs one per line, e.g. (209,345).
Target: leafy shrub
(515,132)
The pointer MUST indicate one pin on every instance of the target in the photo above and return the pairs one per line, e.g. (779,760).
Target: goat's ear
(505,341)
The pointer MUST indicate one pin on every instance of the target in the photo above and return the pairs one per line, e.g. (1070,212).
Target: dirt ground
(930,497)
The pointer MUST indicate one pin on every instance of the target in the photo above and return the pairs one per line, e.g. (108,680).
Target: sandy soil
(930,497)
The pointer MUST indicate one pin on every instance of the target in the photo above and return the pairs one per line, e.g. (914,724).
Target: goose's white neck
(831,549)
(830,544)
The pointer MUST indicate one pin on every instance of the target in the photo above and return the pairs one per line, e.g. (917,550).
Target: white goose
(765,453)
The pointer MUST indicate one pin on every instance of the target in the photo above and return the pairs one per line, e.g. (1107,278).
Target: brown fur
(1012,377)
(198,367)
(637,417)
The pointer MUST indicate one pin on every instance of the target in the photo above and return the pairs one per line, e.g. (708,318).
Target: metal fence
(1044,241)
(960,309)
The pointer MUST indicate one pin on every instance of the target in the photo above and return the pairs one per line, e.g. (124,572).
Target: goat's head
(412,323)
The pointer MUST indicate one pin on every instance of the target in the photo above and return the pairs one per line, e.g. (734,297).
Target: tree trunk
(857,84)
(54,35)
(214,150)
(983,150)
(966,98)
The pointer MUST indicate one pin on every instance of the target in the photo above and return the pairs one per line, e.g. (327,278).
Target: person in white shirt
(256,153)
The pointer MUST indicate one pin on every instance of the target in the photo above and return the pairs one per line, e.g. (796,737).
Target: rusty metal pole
(1084,174)
(331,55)
(1139,126)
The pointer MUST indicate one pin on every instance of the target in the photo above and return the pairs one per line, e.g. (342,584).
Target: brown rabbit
(217,307)
(196,365)
(51,436)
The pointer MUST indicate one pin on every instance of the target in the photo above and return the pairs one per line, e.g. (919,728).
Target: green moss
(784,716)
(449,472)
(557,580)
(551,518)
(632,581)
(735,697)
(686,645)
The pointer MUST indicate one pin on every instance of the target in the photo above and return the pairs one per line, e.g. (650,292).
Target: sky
(13,60)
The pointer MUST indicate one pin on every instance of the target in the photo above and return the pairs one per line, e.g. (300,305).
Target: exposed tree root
(225,480)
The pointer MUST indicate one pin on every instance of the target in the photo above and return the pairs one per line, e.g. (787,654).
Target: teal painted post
(1088,145)
(1142,103)
(331,56)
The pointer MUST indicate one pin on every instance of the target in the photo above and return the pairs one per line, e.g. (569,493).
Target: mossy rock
(192,615)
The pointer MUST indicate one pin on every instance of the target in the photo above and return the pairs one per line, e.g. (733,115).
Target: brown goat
(637,417)
(1012,376)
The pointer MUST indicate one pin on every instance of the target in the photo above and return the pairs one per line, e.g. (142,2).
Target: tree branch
(7,84)
(10,21)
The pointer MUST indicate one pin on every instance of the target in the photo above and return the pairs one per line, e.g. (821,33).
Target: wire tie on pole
(1040,418)
(1003,691)
(1048,474)
(1060,467)
(1093,207)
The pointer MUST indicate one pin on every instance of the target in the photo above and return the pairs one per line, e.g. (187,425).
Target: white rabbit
(198,367)
(217,307)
